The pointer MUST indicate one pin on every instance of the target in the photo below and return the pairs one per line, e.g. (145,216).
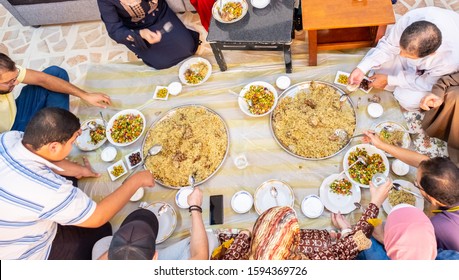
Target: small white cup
(174,88)
(283,82)
(108,154)
(375,110)
(181,198)
(242,202)
(312,207)
(400,168)
(137,195)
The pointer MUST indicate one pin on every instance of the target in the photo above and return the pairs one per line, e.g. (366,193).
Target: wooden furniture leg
(379,33)
(312,40)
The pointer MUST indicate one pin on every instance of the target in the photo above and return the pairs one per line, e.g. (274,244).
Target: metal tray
(167,115)
(291,92)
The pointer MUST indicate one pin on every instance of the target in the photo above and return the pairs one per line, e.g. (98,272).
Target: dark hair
(421,38)
(439,179)
(50,125)
(6,63)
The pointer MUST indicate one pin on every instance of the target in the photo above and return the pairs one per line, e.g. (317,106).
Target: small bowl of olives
(134,158)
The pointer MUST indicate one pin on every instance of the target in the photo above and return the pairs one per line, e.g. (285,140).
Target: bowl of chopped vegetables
(360,174)
(195,71)
(125,127)
(258,99)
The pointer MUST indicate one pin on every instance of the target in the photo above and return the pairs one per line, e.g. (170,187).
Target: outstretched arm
(199,245)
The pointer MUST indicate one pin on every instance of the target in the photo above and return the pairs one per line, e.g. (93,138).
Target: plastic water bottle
(379,179)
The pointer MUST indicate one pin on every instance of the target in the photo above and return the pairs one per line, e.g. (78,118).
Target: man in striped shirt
(42,215)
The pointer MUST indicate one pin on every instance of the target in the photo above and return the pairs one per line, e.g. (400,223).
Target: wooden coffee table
(344,24)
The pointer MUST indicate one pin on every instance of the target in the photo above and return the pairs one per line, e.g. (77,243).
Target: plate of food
(398,197)
(394,134)
(265,199)
(134,158)
(92,135)
(342,79)
(339,194)
(257,99)
(229,11)
(195,140)
(125,127)
(361,173)
(195,71)
(117,170)
(306,117)
(167,221)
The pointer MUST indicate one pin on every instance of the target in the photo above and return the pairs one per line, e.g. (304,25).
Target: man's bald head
(421,38)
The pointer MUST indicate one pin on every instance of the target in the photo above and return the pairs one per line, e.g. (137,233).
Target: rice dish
(194,141)
(399,197)
(303,123)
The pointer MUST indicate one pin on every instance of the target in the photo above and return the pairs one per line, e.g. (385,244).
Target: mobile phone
(216,209)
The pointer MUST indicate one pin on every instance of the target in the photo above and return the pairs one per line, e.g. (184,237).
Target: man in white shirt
(50,88)
(42,215)
(420,48)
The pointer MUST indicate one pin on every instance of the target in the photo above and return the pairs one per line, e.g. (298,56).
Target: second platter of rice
(195,141)
(307,115)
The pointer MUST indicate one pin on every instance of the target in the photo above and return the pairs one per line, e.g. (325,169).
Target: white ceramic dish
(216,7)
(312,207)
(128,161)
(260,4)
(242,202)
(83,141)
(283,82)
(188,63)
(338,73)
(408,185)
(137,195)
(336,202)
(167,221)
(110,169)
(121,113)
(243,103)
(370,150)
(175,88)
(181,197)
(158,88)
(264,200)
(400,168)
(375,110)
(108,154)
(406,137)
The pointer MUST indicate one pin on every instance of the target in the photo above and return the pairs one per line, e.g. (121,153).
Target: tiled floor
(74,46)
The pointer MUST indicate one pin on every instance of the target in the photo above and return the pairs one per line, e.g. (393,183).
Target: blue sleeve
(115,27)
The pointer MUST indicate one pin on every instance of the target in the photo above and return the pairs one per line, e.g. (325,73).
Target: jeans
(375,252)
(34,98)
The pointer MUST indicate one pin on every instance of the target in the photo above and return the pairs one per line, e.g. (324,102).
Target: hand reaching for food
(378,81)
(356,77)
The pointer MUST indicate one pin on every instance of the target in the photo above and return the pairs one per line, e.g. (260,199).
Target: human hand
(87,171)
(340,222)
(378,81)
(195,198)
(430,101)
(142,179)
(380,193)
(150,36)
(356,77)
(98,99)
(372,138)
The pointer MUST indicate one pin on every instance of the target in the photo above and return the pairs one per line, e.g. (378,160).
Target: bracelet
(195,208)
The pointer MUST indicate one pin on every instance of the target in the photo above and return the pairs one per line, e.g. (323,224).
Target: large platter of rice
(195,140)
(307,115)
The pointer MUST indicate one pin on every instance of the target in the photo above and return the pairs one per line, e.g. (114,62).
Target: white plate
(264,200)
(155,95)
(408,185)
(335,202)
(312,207)
(83,141)
(187,65)
(242,202)
(406,136)
(245,107)
(124,112)
(167,221)
(216,6)
(370,150)
(129,162)
(181,197)
(338,73)
(110,168)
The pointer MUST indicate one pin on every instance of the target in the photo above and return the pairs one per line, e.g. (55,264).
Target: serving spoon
(360,159)
(154,150)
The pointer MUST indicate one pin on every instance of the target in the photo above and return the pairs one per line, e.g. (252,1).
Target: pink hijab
(409,234)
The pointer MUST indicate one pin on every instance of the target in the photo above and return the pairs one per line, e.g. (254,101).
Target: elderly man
(50,88)
(420,48)
(43,216)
